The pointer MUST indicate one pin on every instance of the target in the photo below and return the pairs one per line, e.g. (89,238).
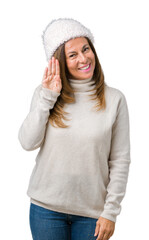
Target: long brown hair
(67,93)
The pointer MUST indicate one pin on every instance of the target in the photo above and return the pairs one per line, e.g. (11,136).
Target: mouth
(86,68)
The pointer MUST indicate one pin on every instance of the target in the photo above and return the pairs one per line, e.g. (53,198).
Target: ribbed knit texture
(83,169)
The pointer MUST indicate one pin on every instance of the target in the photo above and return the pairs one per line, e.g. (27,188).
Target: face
(80,58)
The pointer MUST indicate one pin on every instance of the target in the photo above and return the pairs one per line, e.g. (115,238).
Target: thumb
(45,73)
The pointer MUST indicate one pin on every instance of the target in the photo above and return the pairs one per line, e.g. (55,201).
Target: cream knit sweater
(83,169)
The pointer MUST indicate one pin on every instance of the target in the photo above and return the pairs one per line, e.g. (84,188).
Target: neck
(82,85)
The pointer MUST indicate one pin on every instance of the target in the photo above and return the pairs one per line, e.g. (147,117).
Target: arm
(32,131)
(119,160)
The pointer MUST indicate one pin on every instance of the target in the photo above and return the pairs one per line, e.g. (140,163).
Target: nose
(82,58)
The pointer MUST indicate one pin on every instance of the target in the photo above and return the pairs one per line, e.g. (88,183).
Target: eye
(86,48)
(72,55)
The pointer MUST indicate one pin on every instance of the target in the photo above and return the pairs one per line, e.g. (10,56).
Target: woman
(81,170)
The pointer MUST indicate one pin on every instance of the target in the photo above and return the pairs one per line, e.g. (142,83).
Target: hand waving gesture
(51,78)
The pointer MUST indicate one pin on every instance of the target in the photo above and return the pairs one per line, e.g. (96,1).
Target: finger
(100,235)
(110,234)
(53,66)
(45,73)
(106,236)
(97,229)
(57,67)
(50,67)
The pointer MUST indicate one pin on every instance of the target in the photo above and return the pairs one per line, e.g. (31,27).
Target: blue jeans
(46,224)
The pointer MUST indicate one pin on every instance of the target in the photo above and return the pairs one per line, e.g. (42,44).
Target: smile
(86,68)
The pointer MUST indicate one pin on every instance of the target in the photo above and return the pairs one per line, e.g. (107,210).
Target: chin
(85,76)
(81,76)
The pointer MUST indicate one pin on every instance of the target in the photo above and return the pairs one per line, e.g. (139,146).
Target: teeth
(85,67)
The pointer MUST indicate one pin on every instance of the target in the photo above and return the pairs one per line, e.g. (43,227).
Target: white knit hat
(61,30)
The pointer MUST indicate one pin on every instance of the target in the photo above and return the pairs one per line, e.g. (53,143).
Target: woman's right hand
(51,78)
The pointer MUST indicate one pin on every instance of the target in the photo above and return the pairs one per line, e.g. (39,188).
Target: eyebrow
(74,51)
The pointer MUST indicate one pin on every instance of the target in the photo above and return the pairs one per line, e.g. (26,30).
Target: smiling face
(80,58)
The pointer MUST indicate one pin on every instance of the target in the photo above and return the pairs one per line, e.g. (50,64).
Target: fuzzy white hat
(61,30)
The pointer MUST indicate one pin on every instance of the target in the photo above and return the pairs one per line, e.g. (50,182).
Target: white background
(121,31)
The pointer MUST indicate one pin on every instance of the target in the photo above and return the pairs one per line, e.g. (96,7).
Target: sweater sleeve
(119,161)
(32,131)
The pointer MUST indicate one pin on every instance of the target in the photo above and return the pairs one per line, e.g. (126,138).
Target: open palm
(51,78)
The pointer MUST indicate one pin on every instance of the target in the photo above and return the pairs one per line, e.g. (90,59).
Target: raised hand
(51,78)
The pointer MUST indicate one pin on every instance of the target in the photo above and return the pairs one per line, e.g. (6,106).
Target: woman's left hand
(104,228)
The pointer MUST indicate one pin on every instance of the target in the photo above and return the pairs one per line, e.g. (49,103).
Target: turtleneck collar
(83,85)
